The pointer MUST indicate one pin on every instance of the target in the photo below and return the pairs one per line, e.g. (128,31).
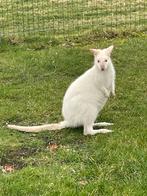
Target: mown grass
(33,82)
(71,18)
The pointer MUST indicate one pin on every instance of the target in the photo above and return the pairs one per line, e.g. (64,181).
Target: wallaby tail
(35,129)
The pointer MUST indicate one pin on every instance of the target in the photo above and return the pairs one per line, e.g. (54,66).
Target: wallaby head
(102,57)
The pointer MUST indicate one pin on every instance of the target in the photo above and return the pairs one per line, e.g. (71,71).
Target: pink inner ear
(94,51)
(109,50)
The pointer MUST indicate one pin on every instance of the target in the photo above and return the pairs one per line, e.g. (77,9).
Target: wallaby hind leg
(88,130)
(102,124)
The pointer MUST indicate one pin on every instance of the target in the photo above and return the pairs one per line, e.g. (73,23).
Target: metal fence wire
(65,18)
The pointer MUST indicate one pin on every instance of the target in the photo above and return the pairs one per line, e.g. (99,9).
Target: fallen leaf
(52,146)
(8,168)
(82,182)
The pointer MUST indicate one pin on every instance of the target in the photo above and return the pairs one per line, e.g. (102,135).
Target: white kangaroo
(85,97)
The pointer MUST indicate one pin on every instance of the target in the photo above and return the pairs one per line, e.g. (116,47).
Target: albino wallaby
(85,97)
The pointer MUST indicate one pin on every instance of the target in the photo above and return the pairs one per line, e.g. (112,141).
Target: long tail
(35,129)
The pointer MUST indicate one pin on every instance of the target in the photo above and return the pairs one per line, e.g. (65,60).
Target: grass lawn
(33,81)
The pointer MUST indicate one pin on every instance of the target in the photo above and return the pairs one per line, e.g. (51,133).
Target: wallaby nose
(102,67)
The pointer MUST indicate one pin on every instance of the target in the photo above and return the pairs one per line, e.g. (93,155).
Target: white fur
(85,97)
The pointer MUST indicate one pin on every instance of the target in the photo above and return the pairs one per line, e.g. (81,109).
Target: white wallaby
(85,97)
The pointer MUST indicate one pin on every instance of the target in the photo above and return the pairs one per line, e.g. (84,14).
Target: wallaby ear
(94,51)
(109,50)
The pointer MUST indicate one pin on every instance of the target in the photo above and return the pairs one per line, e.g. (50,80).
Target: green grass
(33,82)
(71,18)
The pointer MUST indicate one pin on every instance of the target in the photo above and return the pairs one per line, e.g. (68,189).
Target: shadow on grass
(16,156)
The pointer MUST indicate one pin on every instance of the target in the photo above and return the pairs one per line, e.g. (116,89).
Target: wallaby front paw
(113,93)
(106,92)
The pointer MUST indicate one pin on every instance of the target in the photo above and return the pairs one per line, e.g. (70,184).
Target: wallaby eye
(98,61)
(106,60)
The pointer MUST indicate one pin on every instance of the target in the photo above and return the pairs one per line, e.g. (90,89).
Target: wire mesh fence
(66,18)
